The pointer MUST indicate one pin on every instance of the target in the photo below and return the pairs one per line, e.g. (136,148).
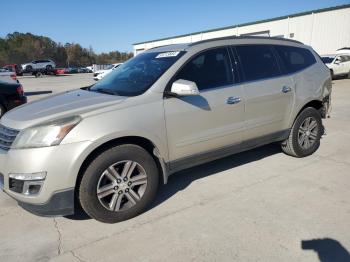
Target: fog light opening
(27,184)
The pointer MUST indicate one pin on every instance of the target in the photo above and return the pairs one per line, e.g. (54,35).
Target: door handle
(286,89)
(233,100)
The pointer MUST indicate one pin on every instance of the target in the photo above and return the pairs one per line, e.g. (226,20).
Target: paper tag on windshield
(167,54)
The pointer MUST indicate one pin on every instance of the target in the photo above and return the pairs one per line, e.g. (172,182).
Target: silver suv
(107,147)
(46,64)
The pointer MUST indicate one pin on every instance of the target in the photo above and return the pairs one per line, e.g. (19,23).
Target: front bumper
(61,164)
(60,204)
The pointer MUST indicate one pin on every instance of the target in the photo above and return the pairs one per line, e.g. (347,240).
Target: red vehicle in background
(60,71)
(14,68)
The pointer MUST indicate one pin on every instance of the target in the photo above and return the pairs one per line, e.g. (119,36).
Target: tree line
(19,48)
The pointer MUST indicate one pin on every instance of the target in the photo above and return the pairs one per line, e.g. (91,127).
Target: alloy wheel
(122,185)
(307,133)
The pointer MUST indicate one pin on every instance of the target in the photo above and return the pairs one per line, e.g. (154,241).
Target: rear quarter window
(295,58)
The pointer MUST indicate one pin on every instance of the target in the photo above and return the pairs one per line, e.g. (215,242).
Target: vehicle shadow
(35,93)
(327,249)
(179,181)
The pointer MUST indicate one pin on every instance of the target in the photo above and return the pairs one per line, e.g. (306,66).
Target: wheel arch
(145,143)
(315,103)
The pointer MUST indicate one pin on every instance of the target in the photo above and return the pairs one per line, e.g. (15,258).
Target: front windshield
(109,67)
(327,59)
(136,75)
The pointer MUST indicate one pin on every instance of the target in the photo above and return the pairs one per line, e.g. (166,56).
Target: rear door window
(257,62)
(295,58)
(346,58)
(209,69)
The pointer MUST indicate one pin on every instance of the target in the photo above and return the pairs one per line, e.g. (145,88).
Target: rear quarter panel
(310,84)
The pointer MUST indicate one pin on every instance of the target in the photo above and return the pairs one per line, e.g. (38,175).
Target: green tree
(19,48)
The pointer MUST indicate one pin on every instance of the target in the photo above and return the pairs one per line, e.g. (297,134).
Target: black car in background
(11,96)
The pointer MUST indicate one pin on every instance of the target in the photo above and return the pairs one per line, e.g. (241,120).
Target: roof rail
(244,37)
(159,46)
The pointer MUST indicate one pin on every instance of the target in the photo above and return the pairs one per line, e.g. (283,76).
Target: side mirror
(337,61)
(184,88)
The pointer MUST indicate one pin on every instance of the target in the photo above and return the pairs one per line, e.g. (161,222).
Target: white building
(326,30)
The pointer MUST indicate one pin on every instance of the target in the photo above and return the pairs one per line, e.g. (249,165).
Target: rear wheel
(48,68)
(305,135)
(119,184)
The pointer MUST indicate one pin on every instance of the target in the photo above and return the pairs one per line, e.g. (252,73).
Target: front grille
(7,136)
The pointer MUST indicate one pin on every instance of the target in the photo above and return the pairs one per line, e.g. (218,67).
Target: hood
(75,102)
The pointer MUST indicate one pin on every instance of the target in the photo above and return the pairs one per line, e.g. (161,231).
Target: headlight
(46,134)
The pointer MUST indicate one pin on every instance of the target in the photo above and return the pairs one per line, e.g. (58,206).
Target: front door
(202,126)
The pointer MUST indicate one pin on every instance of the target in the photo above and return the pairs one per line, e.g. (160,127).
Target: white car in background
(90,68)
(338,64)
(8,76)
(98,75)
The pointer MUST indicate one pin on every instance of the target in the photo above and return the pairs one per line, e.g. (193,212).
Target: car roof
(230,39)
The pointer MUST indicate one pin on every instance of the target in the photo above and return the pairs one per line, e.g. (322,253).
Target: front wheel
(29,68)
(305,135)
(119,184)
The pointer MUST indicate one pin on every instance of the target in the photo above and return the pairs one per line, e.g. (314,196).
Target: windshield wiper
(107,91)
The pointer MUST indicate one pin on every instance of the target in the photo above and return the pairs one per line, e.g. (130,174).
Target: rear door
(269,93)
(347,64)
(207,125)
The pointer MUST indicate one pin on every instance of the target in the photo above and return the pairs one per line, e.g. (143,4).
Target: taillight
(20,90)
(13,76)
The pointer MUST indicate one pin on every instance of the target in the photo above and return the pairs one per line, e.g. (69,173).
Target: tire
(100,175)
(304,140)
(2,111)
(29,68)
(48,68)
